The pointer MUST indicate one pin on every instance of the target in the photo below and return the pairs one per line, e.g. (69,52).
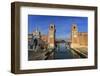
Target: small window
(74,27)
(52,27)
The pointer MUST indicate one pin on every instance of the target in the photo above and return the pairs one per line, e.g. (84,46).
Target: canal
(64,52)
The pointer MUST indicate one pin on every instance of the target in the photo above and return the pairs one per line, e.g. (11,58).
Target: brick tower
(74,36)
(51,36)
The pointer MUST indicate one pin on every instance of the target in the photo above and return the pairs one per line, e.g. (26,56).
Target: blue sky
(62,23)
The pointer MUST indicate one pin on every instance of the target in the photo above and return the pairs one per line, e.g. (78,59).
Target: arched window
(74,27)
(51,27)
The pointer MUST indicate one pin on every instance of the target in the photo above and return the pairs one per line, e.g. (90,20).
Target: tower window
(52,27)
(74,27)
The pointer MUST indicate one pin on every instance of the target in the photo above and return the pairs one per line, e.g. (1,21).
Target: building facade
(78,39)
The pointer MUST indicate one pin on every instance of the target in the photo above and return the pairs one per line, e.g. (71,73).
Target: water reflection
(62,52)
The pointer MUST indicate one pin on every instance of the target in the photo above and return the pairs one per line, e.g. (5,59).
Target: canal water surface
(62,52)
